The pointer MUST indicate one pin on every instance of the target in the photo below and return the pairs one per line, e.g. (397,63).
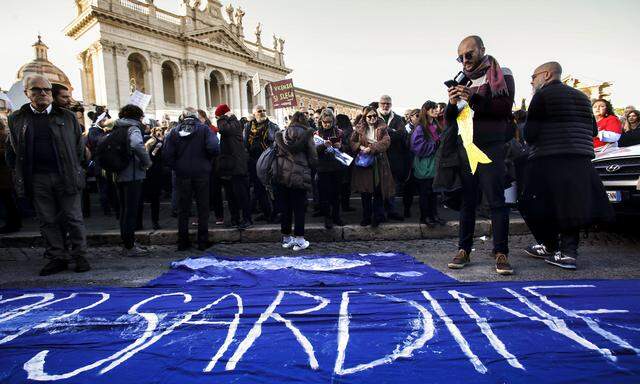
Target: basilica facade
(200,58)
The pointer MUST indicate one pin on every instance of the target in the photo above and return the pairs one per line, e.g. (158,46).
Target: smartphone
(450,83)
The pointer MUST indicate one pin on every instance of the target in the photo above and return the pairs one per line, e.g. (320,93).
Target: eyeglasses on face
(468,56)
(384,103)
(261,111)
(40,90)
(372,116)
(533,77)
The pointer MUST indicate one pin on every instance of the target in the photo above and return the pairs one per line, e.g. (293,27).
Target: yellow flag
(465,130)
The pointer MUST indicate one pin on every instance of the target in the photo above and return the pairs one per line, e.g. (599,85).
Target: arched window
(250,95)
(137,73)
(169,77)
(215,90)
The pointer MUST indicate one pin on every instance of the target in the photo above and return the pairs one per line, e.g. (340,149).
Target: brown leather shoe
(502,264)
(460,260)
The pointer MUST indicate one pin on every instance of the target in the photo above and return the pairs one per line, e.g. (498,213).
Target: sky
(359,49)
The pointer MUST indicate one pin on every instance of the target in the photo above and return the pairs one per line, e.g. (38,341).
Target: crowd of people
(272,174)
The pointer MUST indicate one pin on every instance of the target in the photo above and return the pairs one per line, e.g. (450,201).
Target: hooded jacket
(296,155)
(140,160)
(189,148)
(67,141)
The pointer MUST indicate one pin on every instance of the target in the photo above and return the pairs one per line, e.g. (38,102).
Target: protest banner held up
(283,94)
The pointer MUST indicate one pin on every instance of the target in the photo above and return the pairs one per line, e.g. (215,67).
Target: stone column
(207,93)
(122,74)
(157,88)
(235,94)
(190,84)
(244,100)
(202,102)
(99,76)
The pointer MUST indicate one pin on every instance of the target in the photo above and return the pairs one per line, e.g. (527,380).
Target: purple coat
(424,145)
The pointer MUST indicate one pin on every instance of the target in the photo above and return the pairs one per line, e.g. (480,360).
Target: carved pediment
(221,37)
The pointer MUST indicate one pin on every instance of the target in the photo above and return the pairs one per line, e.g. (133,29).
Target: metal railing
(138,7)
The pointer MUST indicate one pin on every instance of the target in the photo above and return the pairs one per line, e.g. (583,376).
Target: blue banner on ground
(358,318)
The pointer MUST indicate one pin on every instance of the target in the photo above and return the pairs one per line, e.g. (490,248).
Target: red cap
(221,110)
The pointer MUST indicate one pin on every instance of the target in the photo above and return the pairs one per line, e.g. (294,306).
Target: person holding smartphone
(329,169)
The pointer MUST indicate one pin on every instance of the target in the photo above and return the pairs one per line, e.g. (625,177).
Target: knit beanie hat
(221,110)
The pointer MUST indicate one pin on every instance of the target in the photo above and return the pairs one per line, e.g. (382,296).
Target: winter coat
(422,144)
(450,156)
(560,122)
(154,180)
(609,131)
(6,181)
(296,155)
(67,144)
(327,161)
(233,156)
(262,140)
(491,115)
(399,153)
(140,160)
(630,138)
(190,155)
(363,179)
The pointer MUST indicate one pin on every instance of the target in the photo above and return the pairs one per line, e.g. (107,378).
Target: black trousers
(329,193)
(372,205)
(428,199)
(260,195)
(14,219)
(292,203)
(236,190)
(566,241)
(130,194)
(345,188)
(489,180)
(189,189)
(408,191)
(215,194)
(154,201)
(108,192)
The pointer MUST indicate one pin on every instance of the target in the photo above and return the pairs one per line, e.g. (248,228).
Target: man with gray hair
(259,135)
(399,155)
(189,149)
(46,152)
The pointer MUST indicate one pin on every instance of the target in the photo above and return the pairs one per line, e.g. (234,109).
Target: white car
(619,170)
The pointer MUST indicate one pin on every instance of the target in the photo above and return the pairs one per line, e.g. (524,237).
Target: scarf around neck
(495,77)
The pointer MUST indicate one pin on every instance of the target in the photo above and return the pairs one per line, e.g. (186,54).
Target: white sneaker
(299,243)
(287,242)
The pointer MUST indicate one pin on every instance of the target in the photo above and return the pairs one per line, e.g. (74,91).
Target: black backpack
(112,152)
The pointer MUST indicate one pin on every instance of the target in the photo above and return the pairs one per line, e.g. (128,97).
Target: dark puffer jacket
(189,155)
(233,156)
(295,157)
(560,122)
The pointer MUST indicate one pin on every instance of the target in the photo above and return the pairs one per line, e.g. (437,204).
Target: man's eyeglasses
(468,56)
(384,103)
(261,111)
(533,77)
(372,116)
(40,90)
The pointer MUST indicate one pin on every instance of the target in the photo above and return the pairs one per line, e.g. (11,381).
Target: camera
(459,79)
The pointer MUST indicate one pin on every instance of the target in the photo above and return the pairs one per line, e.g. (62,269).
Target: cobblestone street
(602,256)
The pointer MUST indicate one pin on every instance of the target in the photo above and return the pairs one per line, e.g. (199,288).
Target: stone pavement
(602,256)
(102,230)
